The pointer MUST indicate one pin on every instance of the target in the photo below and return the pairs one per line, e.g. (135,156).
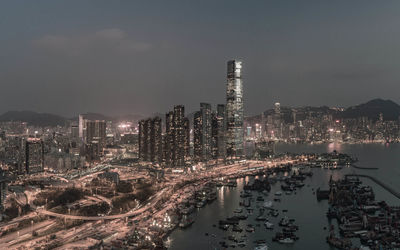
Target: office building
(34,155)
(234,110)
(219,130)
(203,133)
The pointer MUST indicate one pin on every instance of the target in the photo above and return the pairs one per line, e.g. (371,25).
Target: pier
(388,188)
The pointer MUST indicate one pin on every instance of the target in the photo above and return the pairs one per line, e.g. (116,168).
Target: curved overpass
(107,217)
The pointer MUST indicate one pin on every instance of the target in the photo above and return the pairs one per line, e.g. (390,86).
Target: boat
(187,210)
(236,228)
(261,247)
(238,210)
(242,216)
(260,198)
(250,229)
(269,225)
(200,204)
(224,227)
(241,243)
(286,241)
(186,222)
(268,204)
(261,218)
(284,222)
(211,197)
(274,213)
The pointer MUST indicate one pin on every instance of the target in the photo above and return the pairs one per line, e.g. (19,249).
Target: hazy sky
(141,57)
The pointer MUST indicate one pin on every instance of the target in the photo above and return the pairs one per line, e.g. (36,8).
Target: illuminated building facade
(176,140)
(186,129)
(150,140)
(234,110)
(34,155)
(202,134)
(219,130)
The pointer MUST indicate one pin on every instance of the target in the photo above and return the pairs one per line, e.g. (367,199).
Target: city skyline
(68,70)
(199,125)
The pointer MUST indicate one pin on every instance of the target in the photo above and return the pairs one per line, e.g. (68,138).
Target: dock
(385,186)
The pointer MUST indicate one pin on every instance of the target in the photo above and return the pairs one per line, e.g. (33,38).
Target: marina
(302,205)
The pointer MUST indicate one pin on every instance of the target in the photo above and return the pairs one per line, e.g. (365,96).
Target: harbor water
(309,214)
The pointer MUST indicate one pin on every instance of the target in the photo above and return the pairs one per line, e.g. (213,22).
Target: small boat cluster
(255,198)
(353,205)
(287,235)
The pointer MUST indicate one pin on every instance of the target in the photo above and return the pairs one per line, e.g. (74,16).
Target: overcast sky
(140,57)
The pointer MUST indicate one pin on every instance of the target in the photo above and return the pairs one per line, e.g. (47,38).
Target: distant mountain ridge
(52,120)
(34,118)
(370,109)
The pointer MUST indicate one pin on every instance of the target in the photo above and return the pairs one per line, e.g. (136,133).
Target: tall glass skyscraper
(234,110)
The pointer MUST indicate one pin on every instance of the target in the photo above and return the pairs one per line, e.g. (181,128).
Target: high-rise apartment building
(150,140)
(186,129)
(202,133)
(177,137)
(234,110)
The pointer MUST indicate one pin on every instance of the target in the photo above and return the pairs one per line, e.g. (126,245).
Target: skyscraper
(34,155)
(150,140)
(96,131)
(156,154)
(179,136)
(169,138)
(186,129)
(176,137)
(142,140)
(221,123)
(202,133)
(234,110)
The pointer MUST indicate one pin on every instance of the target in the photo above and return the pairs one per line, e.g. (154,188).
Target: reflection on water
(334,146)
(221,199)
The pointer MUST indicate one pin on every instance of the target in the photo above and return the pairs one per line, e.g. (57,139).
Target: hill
(372,109)
(34,118)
